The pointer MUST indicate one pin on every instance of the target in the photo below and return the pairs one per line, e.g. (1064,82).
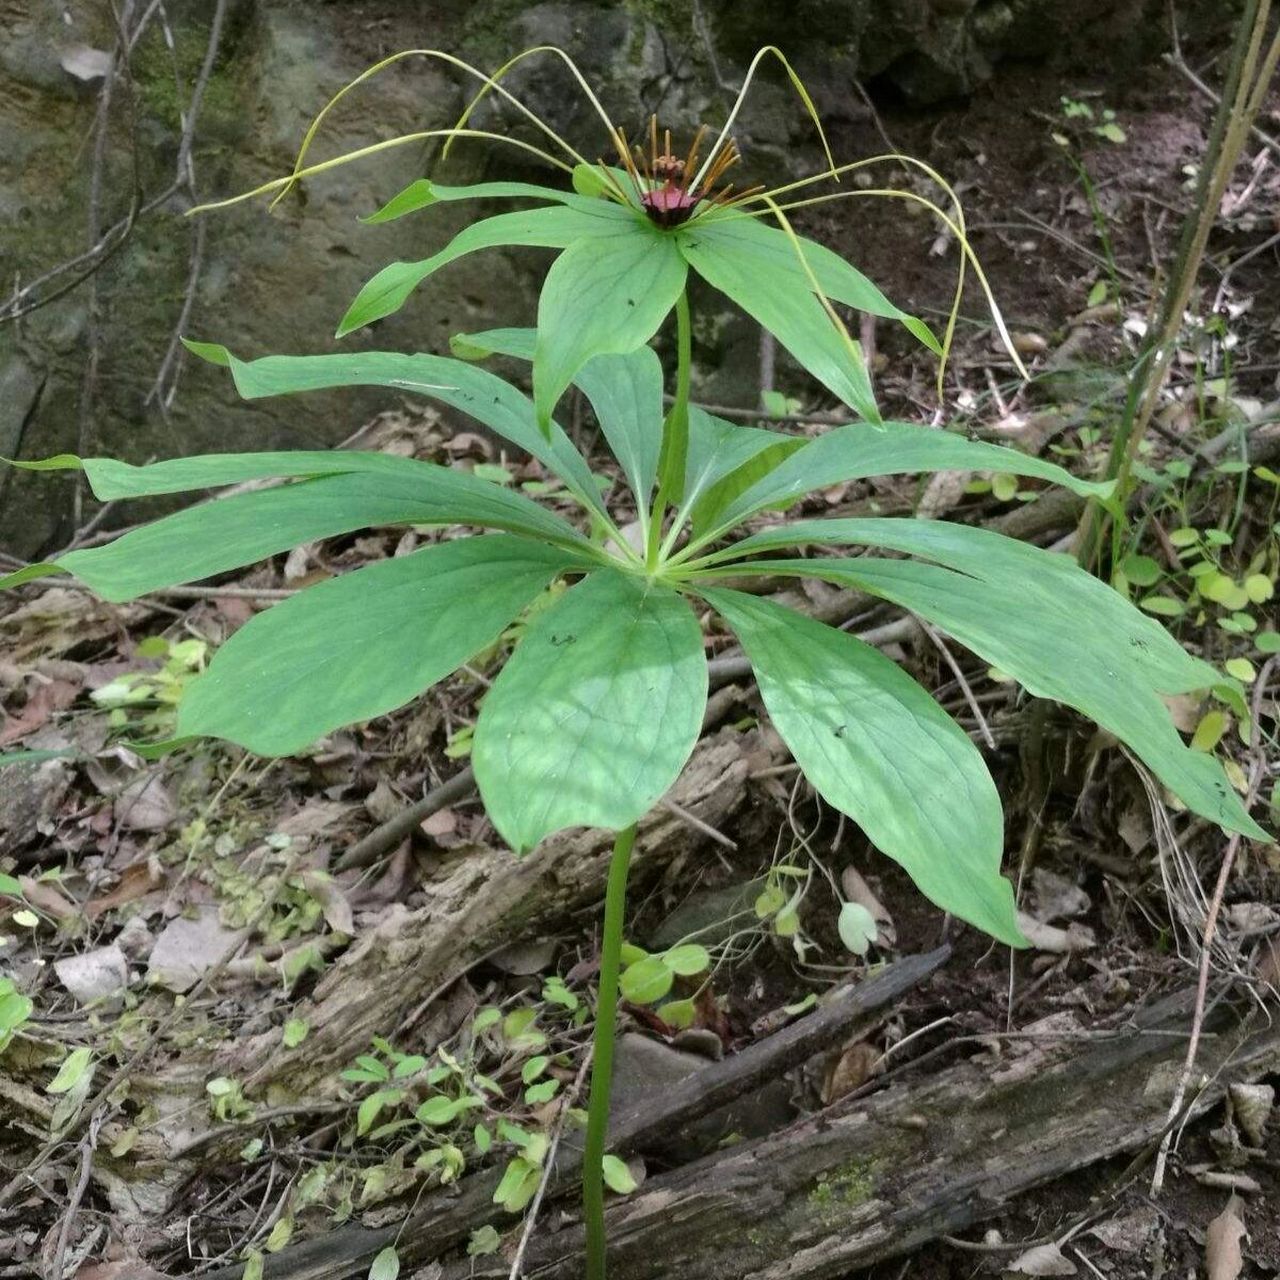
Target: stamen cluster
(670,188)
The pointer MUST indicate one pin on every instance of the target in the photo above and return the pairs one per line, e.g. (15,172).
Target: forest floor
(242,995)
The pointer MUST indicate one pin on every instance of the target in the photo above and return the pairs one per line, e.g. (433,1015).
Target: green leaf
(728,488)
(484,1240)
(678,1013)
(617,1177)
(518,1185)
(787,307)
(71,1072)
(891,448)
(646,981)
(877,747)
(595,714)
(856,927)
(625,392)
(604,296)
(550,227)
(295,1032)
(15,1009)
(362,644)
(441,1110)
(1141,570)
(10,886)
(201,541)
(386,1266)
(686,960)
(423,193)
(471,390)
(1056,629)
(372,1107)
(770,250)
(719,450)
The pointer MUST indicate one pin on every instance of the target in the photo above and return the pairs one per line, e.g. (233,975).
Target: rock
(645,1069)
(135,939)
(94,975)
(185,949)
(29,798)
(709,913)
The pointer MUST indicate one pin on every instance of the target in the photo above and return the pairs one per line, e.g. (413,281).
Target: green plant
(152,695)
(601,702)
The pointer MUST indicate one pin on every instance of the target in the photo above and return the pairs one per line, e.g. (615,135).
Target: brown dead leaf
(1223,1257)
(43,701)
(1128,1234)
(444,822)
(316,817)
(125,1269)
(44,897)
(333,902)
(136,881)
(146,805)
(850,1071)
(1267,965)
(1054,897)
(1048,937)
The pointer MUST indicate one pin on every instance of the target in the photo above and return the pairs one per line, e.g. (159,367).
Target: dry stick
(175,1015)
(1211,925)
(87,1147)
(186,173)
(531,1218)
(446,1222)
(102,122)
(1179,64)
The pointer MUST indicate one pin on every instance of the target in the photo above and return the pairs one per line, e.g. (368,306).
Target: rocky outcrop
(80,369)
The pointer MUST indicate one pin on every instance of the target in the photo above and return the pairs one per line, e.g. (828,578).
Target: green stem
(615,902)
(675,436)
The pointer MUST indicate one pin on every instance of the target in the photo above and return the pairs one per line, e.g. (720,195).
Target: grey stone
(185,949)
(645,1070)
(709,914)
(94,975)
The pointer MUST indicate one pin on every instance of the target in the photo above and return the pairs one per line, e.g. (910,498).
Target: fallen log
(865,1180)
(860,1183)
(445,1223)
(479,900)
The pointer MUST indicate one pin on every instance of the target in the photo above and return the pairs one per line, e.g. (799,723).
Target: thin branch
(1256,771)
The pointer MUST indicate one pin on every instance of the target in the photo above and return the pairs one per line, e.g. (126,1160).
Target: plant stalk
(1242,97)
(675,436)
(615,902)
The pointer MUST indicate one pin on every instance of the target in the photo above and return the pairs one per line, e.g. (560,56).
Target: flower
(628,238)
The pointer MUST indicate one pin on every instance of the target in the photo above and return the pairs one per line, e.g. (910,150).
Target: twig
(983,727)
(87,1147)
(549,1164)
(165,387)
(383,838)
(1175,59)
(1211,924)
(101,130)
(692,820)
